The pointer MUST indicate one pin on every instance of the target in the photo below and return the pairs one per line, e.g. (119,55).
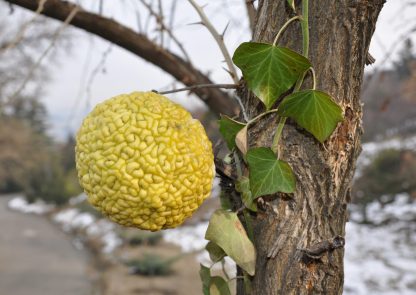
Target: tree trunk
(299,237)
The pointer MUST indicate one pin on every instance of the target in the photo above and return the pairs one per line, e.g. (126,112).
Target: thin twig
(20,35)
(139,22)
(100,66)
(172,16)
(225,86)
(164,27)
(55,37)
(147,22)
(160,21)
(218,38)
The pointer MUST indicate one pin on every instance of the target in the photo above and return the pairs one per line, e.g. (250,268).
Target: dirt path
(36,258)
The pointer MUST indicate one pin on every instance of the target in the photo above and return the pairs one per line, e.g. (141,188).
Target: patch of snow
(77,200)
(65,217)
(381,258)
(105,230)
(400,209)
(83,220)
(111,241)
(21,204)
(72,219)
(189,238)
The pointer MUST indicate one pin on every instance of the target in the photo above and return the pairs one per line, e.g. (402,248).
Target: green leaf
(242,186)
(219,286)
(292,4)
(314,110)
(226,230)
(215,252)
(269,70)
(229,129)
(205,275)
(268,175)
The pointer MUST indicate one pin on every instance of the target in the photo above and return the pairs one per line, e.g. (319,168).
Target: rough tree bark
(295,236)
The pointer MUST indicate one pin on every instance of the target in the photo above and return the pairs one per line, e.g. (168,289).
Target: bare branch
(218,38)
(99,67)
(225,86)
(140,45)
(163,27)
(172,15)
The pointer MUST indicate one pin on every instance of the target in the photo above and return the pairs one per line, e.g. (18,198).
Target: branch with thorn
(219,38)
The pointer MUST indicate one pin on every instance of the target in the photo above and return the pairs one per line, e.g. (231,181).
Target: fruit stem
(225,86)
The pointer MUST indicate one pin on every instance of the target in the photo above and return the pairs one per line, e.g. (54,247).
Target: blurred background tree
(30,161)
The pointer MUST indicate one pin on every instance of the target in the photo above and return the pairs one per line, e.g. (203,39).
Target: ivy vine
(270,72)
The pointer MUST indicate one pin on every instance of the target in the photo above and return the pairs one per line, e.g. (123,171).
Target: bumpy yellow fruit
(143,161)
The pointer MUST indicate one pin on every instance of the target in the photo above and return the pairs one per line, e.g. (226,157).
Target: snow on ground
(20,204)
(381,258)
(72,219)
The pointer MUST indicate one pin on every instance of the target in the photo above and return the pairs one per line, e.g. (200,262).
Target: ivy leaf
(268,175)
(242,186)
(219,286)
(292,4)
(241,140)
(226,230)
(215,252)
(314,110)
(269,70)
(205,275)
(229,129)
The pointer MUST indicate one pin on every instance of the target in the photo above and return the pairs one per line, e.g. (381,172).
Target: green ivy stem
(261,116)
(277,135)
(313,78)
(305,27)
(304,21)
(284,27)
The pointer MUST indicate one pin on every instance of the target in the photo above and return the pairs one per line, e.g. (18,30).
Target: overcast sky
(69,98)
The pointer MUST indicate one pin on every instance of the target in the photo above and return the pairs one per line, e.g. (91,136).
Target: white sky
(68,98)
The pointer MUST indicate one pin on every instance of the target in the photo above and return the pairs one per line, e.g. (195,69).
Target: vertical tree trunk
(314,217)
